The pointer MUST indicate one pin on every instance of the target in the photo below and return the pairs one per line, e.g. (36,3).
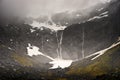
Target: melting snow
(78,15)
(99,53)
(60,63)
(104,13)
(57,63)
(52,27)
(34,51)
(97,17)
(9,48)
(100,9)
(32,30)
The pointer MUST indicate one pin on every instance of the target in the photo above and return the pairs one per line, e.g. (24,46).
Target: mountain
(100,29)
(67,18)
(105,67)
(99,33)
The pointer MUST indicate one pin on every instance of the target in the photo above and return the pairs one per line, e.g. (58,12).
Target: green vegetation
(100,66)
(22,60)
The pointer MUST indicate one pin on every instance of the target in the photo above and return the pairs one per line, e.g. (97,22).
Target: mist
(46,7)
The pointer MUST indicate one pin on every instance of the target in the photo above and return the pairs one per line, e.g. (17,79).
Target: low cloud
(46,7)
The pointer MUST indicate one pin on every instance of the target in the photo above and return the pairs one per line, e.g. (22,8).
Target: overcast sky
(46,7)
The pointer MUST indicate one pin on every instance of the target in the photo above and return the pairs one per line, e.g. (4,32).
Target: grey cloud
(46,7)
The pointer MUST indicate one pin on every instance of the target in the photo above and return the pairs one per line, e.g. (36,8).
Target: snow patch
(32,30)
(52,27)
(9,48)
(56,63)
(33,50)
(102,15)
(99,53)
(100,9)
(60,63)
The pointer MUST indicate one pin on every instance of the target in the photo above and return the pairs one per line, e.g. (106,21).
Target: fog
(46,7)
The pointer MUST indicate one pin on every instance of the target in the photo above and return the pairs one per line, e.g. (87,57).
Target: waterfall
(59,44)
(83,42)
(57,62)
(42,43)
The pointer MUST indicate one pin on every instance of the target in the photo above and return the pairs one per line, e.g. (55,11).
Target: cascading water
(83,42)
(59,62)
(61,39)
(59,43)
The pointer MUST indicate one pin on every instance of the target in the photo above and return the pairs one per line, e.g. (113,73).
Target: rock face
(98,33)
(100,66)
